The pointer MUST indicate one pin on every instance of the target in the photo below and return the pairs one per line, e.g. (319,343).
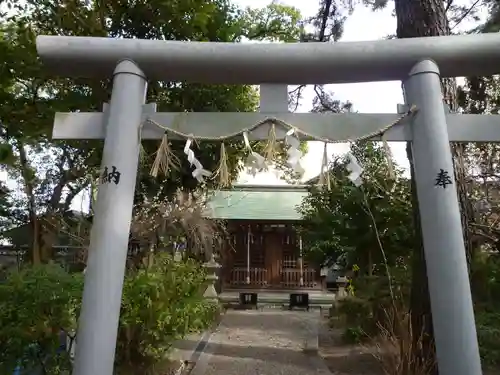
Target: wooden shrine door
(273,257)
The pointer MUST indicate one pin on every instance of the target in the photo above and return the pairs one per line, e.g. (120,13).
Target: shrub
(361,313)
(355,311)
(488,332)
(485,280)
(354,335)
(160,305)
(36,305)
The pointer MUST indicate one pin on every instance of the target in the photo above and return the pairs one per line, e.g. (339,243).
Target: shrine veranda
(424,120)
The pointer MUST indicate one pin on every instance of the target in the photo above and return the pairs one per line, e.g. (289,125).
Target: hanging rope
(165,161)
(287,126)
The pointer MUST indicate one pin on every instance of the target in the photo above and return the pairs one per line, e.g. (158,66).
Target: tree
(481,95)
(492,24)
(53,173)
(5,207)
(367,226)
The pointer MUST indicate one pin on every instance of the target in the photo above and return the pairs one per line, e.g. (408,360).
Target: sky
(371,97)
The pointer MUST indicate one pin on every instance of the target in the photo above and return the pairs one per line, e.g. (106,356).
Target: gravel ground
(262,343)
(273,343)
(344,359)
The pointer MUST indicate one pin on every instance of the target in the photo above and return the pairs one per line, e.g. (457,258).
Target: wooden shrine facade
(263,249)
(266,255)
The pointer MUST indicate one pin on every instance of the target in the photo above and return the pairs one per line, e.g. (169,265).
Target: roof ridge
(263,188)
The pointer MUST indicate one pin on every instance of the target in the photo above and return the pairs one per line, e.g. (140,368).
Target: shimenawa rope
(165,160)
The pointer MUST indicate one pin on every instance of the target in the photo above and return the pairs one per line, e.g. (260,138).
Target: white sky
(371,97)
(375,97)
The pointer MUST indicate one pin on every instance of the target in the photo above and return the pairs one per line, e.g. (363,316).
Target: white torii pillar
(102,294)
(450,294)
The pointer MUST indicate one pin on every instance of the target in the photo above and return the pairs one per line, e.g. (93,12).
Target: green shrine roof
(254,202)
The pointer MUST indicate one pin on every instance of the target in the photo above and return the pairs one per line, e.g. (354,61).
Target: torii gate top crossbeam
(290,63)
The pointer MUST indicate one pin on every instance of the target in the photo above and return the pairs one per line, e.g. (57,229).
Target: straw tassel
(388,157)
(324,177)
(165,159)
(222,172)
(142,151)
(142,154)
(271,148)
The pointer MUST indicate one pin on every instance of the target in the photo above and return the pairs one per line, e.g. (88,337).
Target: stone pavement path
(263,343)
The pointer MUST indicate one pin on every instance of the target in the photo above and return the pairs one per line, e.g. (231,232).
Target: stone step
(280,299)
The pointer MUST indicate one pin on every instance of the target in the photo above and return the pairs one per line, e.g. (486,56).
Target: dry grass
(396,346)
(181,217)
(157,223)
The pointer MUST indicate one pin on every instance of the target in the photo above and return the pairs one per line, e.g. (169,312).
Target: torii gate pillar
(449,289)
(102,294)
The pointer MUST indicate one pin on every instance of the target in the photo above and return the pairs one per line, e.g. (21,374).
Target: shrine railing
(258,277)
(291,278)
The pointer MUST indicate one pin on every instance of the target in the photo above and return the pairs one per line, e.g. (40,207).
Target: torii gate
(418,62)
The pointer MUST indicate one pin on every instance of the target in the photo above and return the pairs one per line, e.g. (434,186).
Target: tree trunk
(421,18)
(33,252)
(370,263)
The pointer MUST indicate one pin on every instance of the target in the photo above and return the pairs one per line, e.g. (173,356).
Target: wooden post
(301,266)
(248,254)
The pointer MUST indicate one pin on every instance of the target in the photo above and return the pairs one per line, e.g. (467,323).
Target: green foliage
(360,314)
(36,304)
(52,173)
(354,316)
(6,154)
(354,335)
(161,304)
(5,208)
(344,224)
(276,22)
(485,283)
(481,95)
(488,333)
